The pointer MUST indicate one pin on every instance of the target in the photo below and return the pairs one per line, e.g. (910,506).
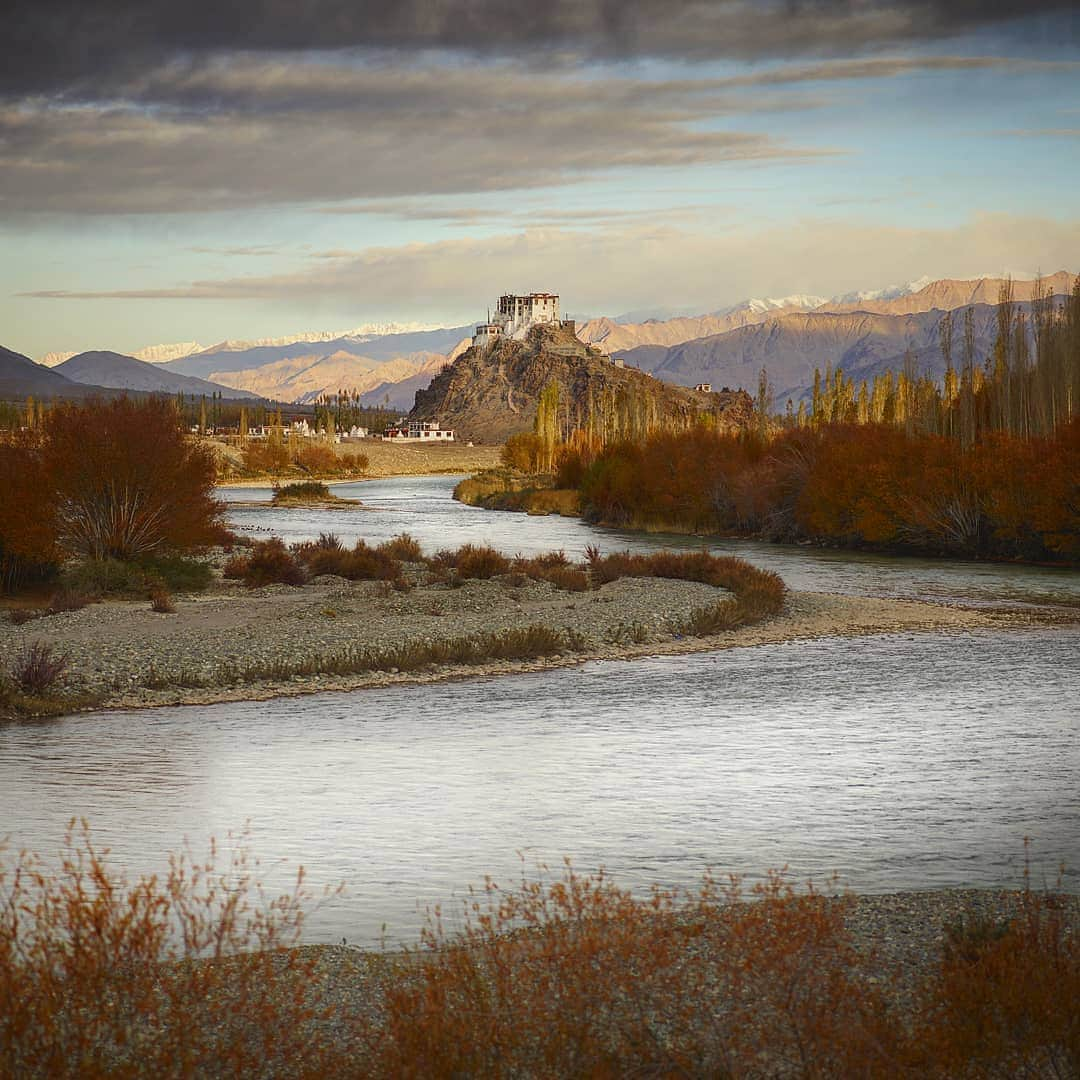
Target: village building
(704,387)
(419,431)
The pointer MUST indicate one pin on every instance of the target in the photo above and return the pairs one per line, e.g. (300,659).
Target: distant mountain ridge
(20,378)
(120,372)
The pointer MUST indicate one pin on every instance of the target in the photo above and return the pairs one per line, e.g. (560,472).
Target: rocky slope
(612,336)
(863,343)
(489,395)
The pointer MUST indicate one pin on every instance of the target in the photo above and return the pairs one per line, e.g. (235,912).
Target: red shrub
(127,479)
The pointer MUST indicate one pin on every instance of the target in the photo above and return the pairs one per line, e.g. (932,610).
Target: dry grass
(174,976)
(524,643)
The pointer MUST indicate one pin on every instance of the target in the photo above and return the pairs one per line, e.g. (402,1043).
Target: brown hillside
(489,395)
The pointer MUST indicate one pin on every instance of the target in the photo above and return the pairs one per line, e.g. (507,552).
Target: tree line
(984,463)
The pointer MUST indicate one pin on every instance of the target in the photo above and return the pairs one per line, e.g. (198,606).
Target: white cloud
(622,268)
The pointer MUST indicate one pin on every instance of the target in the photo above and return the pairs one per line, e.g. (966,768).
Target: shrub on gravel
(362,563)
(758,593)
(404,548)
(269,562)
(38,668)
(480,561)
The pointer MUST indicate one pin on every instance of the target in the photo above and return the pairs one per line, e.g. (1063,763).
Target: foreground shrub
(1003,1002)
(578,978)
(362,563)
(162,603)
(99,977)
(38,668)
(177,573)
(71,598)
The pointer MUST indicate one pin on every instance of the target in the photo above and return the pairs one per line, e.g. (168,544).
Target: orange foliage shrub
(127,480)
(1003,496)
(479,561)
(318,460)
(1004,1000)
(522,452)
(99,977)
(362,563)
(578,978)
(269,456)
(269,562)
(28,549)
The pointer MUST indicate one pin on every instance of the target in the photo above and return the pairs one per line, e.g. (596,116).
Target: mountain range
(126,373)
(386,364)
(865,338)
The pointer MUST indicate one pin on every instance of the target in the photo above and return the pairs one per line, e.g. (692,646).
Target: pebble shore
(125,655)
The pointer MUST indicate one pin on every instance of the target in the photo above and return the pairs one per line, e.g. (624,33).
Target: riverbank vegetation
(103,481)
(399,563)
(567,975)
(984,464)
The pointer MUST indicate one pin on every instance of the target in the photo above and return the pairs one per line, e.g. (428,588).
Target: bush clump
(38,668)
(480,561)
(268,563)
(183,974)
(404,548)
(301,491)
(554,567)
(362,563)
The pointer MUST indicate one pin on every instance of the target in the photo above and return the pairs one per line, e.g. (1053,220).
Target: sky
(195,171)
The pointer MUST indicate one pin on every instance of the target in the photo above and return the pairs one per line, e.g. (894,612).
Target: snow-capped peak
(890,292)
(770,303)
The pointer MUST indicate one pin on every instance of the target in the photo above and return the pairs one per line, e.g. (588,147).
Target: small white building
(704,387)
(419,431)
(487,334)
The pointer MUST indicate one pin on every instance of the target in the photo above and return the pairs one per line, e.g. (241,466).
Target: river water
(895,762)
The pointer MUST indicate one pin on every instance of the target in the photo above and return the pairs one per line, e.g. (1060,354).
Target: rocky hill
(489,395)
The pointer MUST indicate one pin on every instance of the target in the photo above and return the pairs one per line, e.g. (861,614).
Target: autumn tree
(127,481)
(27,522)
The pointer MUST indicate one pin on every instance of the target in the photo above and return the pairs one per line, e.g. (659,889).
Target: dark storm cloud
(262,132)
(72,45)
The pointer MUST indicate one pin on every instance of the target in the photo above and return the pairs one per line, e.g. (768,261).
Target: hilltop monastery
(516,315)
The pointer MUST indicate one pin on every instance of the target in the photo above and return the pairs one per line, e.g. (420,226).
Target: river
(894,762)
